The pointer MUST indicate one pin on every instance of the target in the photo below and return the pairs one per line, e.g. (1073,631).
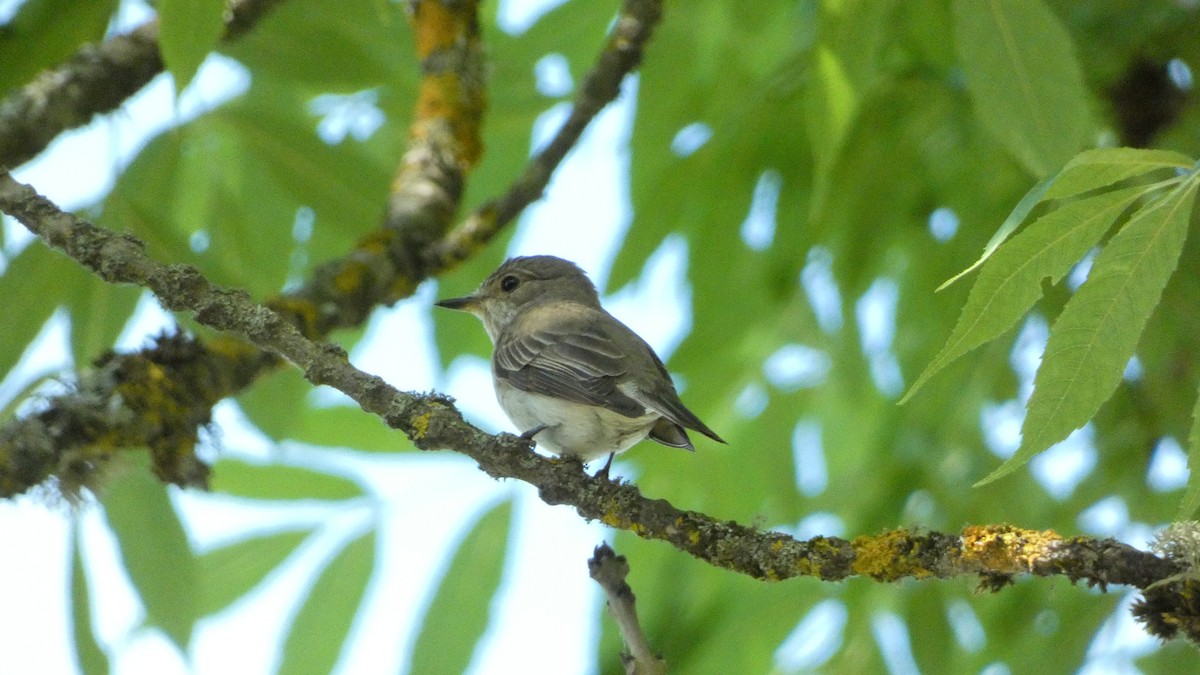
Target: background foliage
(801,150)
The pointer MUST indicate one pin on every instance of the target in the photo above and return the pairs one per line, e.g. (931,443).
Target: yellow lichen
(805,567)
(349,279)
(302,313)
(887,557)
(1004,548)
(612,519)
(420,425)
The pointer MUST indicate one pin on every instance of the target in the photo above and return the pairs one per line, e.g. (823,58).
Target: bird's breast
(573,429)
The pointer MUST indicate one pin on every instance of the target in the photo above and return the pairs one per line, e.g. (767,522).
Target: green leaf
(348,45)
(45,32)
(99,312)
(1191,498)
(349,427)
(336,426)
(230,572)
(1088,170)
(279,482)
(1011,281)
(1020,212)
(24,284)
(1094,337)
(745,75)
(9,411)
(283,390)
(836,103)
(92,659)
(1102,167)
(320,628)
(155,551)
(1024,79)
(273,127)
(188,31)
(458,615)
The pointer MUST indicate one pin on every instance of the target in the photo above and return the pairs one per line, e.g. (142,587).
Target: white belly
(573,429)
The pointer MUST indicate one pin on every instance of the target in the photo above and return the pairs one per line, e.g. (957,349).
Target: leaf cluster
(798,153)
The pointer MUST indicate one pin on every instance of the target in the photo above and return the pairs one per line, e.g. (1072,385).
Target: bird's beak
(465,304)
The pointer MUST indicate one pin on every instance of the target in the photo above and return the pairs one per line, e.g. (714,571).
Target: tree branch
(995,553)
(75,433)
(634,26)
(444,140)
(96,80)
(609,570)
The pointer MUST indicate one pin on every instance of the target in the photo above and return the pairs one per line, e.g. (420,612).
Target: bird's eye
(508,283)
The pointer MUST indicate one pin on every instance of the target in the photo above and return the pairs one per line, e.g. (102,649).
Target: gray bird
(567,373)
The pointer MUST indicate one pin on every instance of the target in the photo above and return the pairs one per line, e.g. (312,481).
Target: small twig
(609,570)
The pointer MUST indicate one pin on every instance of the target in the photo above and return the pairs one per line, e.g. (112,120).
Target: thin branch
(75,433)
(633,28)
(161,396)
(95,80)
(994,553)
(387,264)
(609,570)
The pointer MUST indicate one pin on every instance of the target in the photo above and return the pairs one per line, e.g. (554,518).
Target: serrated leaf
(1024,79)
(1088,170)
(1011,281)
(1021,211)
(1191,498)
(320,628)
(188,30)
(1098,330)
(1102,167)
(92,660)
(155,552)
(279,482)
(458,615)
(230,572)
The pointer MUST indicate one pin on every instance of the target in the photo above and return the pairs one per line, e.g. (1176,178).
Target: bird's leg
(528,435)
(603,472)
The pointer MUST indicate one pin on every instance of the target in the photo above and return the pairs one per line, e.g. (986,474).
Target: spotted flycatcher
(567,373)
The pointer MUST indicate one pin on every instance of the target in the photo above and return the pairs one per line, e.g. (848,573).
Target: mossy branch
(97,79)
(74,434)
(994,553)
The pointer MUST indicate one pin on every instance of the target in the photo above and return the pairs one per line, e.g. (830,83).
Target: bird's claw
(603,472)
(528,435)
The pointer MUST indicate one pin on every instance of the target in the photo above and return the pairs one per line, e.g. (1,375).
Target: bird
(569,375)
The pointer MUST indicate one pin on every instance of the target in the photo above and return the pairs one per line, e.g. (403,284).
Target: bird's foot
(528,435)
(603,472)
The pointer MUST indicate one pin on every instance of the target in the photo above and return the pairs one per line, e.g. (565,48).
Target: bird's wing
(570,358)
(660,396)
